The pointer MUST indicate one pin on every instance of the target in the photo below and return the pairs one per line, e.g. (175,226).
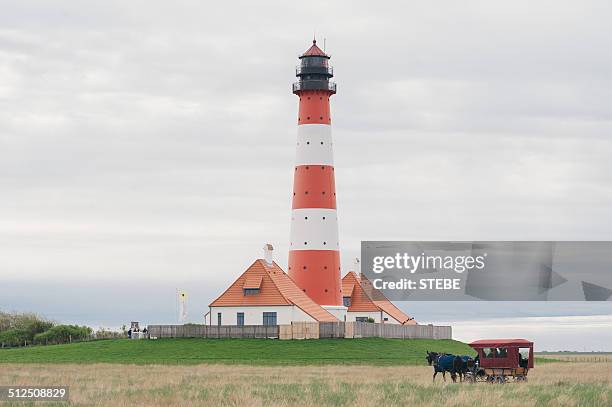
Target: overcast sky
(145,147)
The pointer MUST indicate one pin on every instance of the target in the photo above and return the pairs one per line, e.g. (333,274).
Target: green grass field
(233,372)
(373,351)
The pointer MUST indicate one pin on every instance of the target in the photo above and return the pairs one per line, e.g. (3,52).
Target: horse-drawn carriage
(501,360)
(497,361)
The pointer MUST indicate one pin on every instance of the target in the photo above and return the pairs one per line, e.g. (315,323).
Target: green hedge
(23,332)
(63,334)
(15,337)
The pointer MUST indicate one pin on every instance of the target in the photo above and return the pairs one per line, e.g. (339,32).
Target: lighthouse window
(314,61)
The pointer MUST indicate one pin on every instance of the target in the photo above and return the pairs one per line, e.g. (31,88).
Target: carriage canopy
(510,353)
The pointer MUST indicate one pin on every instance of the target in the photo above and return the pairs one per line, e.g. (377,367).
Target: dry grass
(558,384)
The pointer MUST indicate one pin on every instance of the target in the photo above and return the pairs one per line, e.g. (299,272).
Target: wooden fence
(303,330)
(214,331)
(368,330)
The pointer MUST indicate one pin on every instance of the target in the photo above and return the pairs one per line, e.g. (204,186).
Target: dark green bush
(15,337)
(63,334)
(18,329)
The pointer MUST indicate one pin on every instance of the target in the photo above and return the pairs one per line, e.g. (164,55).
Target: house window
(251,291)
(346,301)
(361,319)
(219,318)
(269,318)
(240,319)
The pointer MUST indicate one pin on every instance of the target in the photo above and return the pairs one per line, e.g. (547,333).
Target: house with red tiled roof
(265,295)
(365,303)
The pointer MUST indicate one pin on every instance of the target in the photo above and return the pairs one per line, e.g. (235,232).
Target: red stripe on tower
(314,257)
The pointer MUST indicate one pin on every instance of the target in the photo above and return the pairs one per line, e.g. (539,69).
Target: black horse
(455,365)
(461,364)
(442,363)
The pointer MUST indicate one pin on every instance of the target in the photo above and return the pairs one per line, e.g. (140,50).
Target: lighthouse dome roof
(314,51)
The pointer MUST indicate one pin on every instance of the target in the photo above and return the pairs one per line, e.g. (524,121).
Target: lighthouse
(313,291)
(314,256)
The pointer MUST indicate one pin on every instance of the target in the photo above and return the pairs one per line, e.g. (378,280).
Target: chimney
(357,268)
(268,256)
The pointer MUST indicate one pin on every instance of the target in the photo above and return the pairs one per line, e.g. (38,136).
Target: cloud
(154,142)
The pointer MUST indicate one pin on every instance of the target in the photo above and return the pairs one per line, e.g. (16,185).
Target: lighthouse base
(339,311)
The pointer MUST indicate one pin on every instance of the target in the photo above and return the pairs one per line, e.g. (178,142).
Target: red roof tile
(360,302)
(253,281)
(268,294)
(384,303)
(276,288)
(364,297)
(294,294)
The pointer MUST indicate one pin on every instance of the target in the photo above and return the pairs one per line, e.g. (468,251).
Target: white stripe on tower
(314,229)
(314,145)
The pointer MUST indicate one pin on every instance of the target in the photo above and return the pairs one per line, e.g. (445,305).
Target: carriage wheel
(501,379)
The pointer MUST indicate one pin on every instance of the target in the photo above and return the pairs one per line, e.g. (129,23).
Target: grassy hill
(372,351)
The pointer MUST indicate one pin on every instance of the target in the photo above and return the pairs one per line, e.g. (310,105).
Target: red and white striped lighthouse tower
(314,257)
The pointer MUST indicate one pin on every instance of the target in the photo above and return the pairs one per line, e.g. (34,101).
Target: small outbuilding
(365,303)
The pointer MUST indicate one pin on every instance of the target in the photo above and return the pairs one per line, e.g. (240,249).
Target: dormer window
(251,291)
(252,285)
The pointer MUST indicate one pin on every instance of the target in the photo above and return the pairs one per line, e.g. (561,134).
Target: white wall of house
(351,316)
(339,311)
(390,319)
(253,315)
